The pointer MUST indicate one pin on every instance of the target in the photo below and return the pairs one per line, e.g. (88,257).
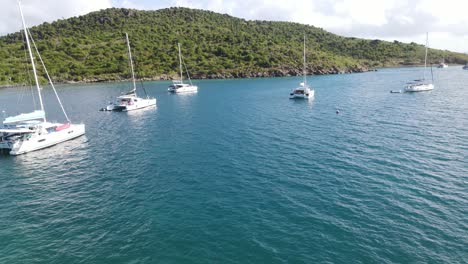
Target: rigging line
(142,86)
(139,75)
(188,74)
(48,77)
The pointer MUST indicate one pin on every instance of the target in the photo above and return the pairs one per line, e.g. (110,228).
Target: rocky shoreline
(267,73)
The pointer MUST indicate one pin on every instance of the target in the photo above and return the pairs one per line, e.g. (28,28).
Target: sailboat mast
(425,57)
(304,68)
(131,63)
(32,58)
(180,63)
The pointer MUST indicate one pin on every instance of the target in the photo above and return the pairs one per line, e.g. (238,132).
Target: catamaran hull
(419,88)
(140,105)
(192,89)
(310,95)
(47,140)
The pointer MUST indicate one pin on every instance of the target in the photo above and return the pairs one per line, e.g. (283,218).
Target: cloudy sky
(403,20)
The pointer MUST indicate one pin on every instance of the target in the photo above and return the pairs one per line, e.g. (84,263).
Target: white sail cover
(38,114)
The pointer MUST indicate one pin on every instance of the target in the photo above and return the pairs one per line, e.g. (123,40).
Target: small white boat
(421,85)
(130,101)
(303,91)
(30,131)
(442,65)
(178,86)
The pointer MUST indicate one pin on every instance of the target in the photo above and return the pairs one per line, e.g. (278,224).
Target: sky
(402,20)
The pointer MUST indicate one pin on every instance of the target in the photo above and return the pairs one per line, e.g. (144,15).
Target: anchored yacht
(130,100)
(303,91)
(31,131)
(442,65)
(178,86)
(421,85)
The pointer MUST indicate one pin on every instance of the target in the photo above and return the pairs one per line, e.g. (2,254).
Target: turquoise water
(238,173)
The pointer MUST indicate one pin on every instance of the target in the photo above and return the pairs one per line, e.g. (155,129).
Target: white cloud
(403,20)
(37,12)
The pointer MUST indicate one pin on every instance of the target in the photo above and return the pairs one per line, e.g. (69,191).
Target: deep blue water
(238,173)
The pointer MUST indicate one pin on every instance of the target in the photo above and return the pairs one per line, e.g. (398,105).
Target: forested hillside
(92,48)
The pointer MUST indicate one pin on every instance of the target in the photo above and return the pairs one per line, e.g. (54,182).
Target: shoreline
(268,73)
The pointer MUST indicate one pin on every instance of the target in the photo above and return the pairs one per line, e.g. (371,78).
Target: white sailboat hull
(142,103)
(139,104)
(419,87)
(41,141)
(185,89)
(308,94)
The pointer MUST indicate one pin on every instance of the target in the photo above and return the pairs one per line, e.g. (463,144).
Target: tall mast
(32,58)
(425,57)
(304,68)
(180,62)
(131,63)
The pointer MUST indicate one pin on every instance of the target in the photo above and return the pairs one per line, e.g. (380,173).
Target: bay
(238,173)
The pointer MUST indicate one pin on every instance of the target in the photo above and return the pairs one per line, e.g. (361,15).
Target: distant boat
(303,91)
(130,100)
(465,67)
(442,64)
(30,131)
(178,86)
(421,85)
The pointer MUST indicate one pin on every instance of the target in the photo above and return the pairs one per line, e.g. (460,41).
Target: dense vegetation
(92,47)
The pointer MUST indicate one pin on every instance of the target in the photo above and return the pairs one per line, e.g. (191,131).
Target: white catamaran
(178,86)
(442,64)
(30,131)
(422,84)
(303,91)
(130,101)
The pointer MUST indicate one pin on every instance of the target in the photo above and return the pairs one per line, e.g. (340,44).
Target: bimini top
(38,114)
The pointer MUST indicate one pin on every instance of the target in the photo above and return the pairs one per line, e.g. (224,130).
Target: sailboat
(442,65)
(422,84)
(130,100)
(178,86)
(303,91)
(31,131)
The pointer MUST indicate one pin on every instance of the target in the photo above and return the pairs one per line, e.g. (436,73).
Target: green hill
(92,47)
